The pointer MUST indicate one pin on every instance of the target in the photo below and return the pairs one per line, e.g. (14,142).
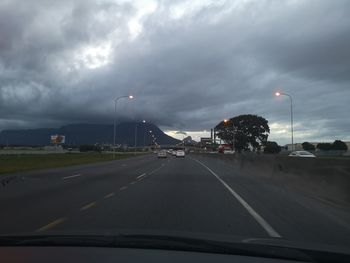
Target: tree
(271,147)
(339,145)
(324,146)
(247,130)
(308,146)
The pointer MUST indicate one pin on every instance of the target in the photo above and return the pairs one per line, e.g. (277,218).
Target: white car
(302,154)
(162,154)
(174,153)
(180,153)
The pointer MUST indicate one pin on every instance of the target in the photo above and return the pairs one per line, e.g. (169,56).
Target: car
(302,154)
(162,154)
(180,153)
(174,153)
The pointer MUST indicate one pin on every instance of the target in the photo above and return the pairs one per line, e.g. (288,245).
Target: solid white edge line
(71,176)
(262,222)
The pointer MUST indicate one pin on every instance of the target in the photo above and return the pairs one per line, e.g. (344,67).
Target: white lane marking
(123,188)
(109,195)
(262,222)
(140,176)
(85,207)
(133,182)
(71,176)
(124,164)
(52,224)
(155,170)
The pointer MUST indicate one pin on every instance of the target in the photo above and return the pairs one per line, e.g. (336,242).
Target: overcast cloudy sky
(189,64)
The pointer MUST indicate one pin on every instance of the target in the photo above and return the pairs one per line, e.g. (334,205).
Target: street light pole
(115,120)
(136,127)
(233,137)
(291,114)
(150,138)
(135,135)
(233,134)
(144,133)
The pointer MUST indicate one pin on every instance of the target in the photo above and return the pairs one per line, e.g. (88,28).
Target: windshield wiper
(176,243)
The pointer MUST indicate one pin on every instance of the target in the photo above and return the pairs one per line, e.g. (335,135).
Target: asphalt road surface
(195,194)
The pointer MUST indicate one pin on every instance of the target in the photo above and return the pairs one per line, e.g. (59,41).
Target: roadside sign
(58,139)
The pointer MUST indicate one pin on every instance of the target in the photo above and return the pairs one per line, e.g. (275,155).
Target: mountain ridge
(87,133)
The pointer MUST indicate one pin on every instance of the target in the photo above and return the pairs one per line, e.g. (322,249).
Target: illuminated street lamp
(226,121)
(144,133)
(115,119)
(151,135)
(291,113)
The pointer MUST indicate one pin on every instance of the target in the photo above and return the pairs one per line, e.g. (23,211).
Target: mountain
(77,134)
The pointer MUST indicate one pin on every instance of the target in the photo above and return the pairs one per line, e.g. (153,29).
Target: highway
(195,194)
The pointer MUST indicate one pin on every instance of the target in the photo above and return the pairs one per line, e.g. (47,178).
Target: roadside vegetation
(246,132)
(26,162)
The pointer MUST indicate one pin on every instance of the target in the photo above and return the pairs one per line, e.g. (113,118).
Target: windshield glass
(176,118)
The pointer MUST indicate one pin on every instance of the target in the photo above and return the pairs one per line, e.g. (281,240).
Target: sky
(189,64)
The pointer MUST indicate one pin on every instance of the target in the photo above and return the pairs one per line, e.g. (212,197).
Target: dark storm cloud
(187,72)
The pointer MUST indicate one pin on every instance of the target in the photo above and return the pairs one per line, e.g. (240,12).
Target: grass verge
(28,162)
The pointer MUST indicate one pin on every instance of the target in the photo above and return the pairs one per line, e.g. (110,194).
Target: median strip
(52,224)
(30,162)
(261,221)
(85,207)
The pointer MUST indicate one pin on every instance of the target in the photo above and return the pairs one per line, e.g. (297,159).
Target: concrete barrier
(325,178)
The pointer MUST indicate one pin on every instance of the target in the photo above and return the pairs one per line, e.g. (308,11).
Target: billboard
(58,139)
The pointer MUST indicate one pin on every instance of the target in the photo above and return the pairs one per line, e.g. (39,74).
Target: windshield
(176,118)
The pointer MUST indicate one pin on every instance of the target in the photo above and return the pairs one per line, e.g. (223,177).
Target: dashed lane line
(85,207)
(71,176)
(52,224)
(155,170)
(109,195)
(140,176)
